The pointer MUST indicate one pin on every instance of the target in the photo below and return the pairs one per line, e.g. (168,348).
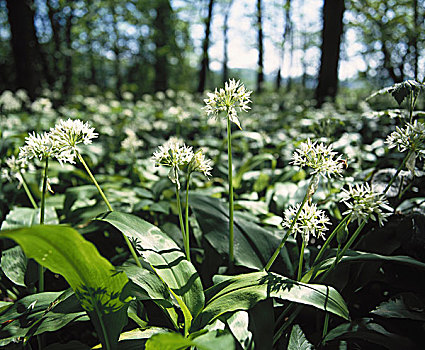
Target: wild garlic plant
(234,96)
(325,162)
(176,155)
(15,170)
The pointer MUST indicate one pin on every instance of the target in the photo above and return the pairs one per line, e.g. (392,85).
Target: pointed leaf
(297,340)
(164,255)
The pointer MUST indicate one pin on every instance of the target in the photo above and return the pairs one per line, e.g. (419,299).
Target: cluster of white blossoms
(175,154)
(14,169)
(61,142)
(411,137)
(233,96)
(131,142)
(201,164)
(322,159)
(312,221)
(363,203)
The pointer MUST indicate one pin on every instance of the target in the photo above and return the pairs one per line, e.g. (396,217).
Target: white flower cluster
(363,203)
(319,157)
(411,137)
(131,142)
(199,163)
(234,95)
(312,221)
(175,154)
(61,142)
(14,169)
(8,102)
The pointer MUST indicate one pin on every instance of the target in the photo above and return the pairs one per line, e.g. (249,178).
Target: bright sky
(306,15)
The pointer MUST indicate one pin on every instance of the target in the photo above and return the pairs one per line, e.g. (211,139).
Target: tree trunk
(162,33)
(225,41)
(24,45)
(260,71)
(205,62)
(116,50)
(67,85)
(286,31)
(333,12)
(415,39)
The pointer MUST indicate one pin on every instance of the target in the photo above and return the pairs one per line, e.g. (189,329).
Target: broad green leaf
(400,90)
(368,330)
(253,244)
(297,340)
(165,257)
(242,292)
(175,341)
(36,314)
(238,324)
(26,217)
(406,306)
(359,257)
(99,288)
(14,265)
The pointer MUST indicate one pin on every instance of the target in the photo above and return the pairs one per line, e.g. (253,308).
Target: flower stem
(300,263)
(95,182)
(398,170)
(179,207)
(186,217)
(28,192)
(129,245)
(230,175)
(42,210)
(282,243)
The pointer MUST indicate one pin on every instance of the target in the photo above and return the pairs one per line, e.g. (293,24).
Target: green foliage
(297,340)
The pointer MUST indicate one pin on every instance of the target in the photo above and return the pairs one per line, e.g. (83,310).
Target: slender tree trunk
(333,12)
(24,45)
(225,42)
(205,62)
(116,50)
(286,31)
(162,33)
(415,39)
(67,85)
(260,69)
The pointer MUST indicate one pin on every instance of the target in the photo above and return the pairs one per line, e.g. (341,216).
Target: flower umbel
(411,137)
(14,169)
(363,202)
(38,146)
(233,96)
(174,154)
(68,134)
(311,221)
(319,157)
(199,163)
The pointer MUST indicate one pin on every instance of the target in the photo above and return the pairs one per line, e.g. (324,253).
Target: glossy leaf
(165,257)
(99,288)
(253,244)
(14,265)
(242,292)
(297,340)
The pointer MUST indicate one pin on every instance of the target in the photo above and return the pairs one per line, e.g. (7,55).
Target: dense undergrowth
(158,273)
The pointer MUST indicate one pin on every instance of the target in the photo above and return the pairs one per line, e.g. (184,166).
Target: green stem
(81,159)
(42,210)
(325,326)
(129,245)
(186,217)
(230,172)
(179,207)
(28,192)
(300,263)
(282,243)
(398,171)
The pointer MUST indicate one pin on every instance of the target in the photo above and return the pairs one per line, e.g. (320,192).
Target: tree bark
(205,62)
(225,70)
(24,45)
(286,31)
(162,34)
(333,12)
(260,69)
